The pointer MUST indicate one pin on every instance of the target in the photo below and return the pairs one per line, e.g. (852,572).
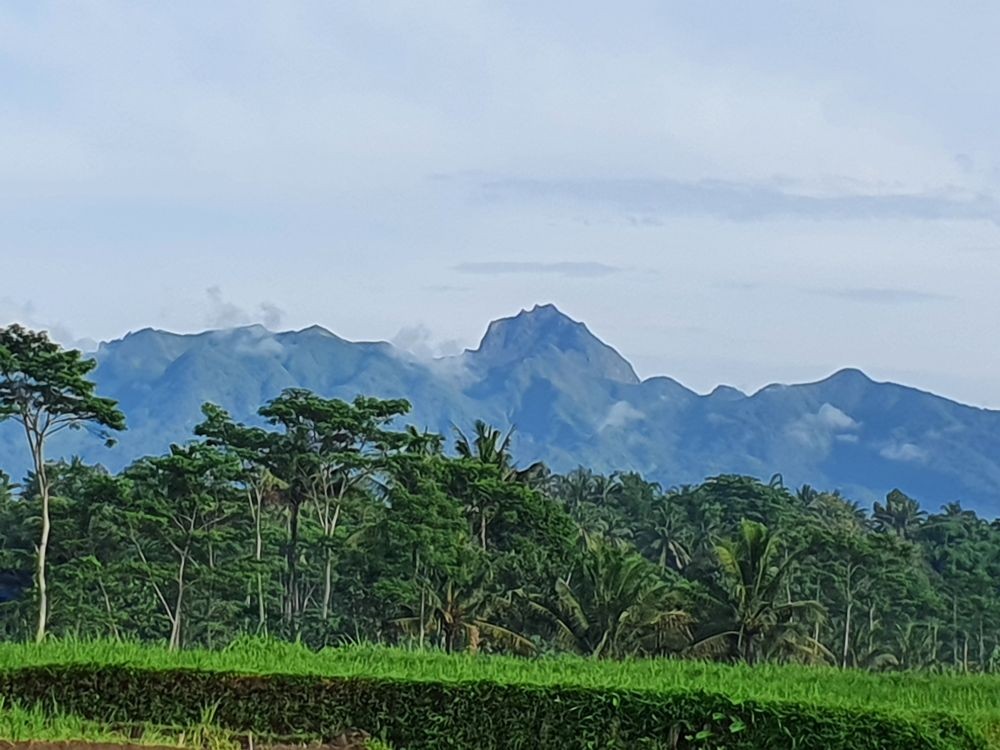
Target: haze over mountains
(575,401)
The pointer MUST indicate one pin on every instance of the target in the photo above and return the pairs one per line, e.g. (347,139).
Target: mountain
(574,400)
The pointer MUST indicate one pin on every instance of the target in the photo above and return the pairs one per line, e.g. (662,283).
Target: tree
(250,446)
(615,603)
(459,616)
(663,538)
(326,450)
(46,390)
(752,582)
(184,521)
(900,515)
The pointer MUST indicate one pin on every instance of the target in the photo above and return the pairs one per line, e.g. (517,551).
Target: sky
(727,192)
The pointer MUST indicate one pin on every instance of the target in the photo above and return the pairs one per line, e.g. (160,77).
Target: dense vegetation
(427,699)
(332,522)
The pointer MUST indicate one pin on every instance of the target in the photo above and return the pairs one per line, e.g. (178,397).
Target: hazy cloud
(26,313)
(747,201)
(902,451)
(572,269)
(883,296)
(419,341)
(819,430)
(223,313)
(619,415)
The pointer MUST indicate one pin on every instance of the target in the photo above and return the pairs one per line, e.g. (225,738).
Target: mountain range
(574,401)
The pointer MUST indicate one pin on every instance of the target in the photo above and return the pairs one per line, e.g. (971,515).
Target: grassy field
(973,699)
(33,724)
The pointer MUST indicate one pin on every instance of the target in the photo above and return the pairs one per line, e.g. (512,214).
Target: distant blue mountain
(575,401)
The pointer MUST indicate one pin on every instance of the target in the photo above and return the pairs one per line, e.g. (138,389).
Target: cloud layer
(759,193)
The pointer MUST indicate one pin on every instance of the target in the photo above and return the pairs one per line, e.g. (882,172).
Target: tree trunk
(848,595)
(954,630)
(38,454)
(292,594)
(258,557)
(847,633)
(329,529)
(327,584)
(982,645)
(175,630)
(111,615)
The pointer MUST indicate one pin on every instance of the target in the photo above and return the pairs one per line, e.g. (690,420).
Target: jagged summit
(545,330)
(575,401)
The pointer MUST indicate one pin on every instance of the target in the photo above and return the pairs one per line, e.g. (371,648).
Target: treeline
(331,522)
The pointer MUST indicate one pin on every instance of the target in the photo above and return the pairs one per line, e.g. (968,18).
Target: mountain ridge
(574,399)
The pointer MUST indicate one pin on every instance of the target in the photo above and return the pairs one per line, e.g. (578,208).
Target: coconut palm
(459,616)
(756,622)
(900,515)
(615,605)
(491,446)
(663,538)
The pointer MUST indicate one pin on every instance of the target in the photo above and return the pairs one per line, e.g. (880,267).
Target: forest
(329,522)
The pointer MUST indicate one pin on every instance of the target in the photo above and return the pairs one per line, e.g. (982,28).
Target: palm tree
(491,446)
(595,525)
(663,538)
(459,616)
(617,605)
(756,621)
(901,515)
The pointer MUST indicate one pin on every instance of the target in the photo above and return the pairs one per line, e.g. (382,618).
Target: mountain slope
(574,400)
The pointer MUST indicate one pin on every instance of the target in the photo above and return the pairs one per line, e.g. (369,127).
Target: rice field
(973,699)
(32,724)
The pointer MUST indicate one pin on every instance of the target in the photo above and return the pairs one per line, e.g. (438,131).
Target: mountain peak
(545,330)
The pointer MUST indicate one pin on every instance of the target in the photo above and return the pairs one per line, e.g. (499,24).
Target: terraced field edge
(475,715)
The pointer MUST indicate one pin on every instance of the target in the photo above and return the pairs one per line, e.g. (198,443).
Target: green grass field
(34,724)
(974,700)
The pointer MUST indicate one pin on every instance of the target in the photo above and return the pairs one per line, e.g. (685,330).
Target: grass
(973,699)
(24,724)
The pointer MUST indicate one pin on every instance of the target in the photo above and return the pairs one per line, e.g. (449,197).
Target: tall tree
(615,602)
(184,519)
(46,389)
(752,592)
(900,515)
(326,450)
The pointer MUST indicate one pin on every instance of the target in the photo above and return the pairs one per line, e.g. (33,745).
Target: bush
(468,715)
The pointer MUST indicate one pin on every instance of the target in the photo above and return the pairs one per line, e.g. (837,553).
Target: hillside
(574,400)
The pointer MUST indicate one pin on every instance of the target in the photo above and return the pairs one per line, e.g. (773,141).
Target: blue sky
(727,192)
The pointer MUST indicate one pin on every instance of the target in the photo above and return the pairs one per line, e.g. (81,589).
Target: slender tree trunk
(175,631)
(847,634)
(111,616)
(330,530)
(38,454)
(258,556)
(954,628)
(292,604)
(982,645)
(847,617)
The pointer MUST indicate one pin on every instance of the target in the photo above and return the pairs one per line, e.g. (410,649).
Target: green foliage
(330,521)
(476,715)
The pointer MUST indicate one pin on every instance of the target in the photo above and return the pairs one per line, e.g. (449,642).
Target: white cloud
(817,431)
(303,155)
(25,313)
(619,415)
(901,451)
(222,313)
